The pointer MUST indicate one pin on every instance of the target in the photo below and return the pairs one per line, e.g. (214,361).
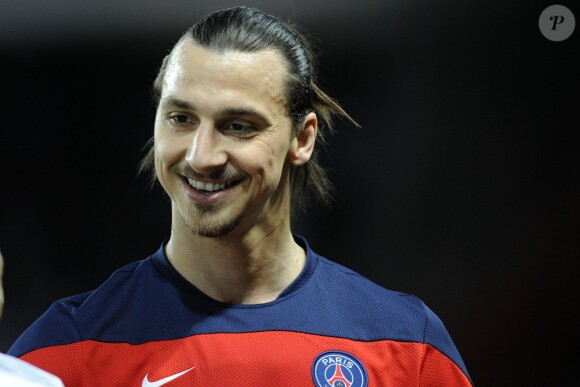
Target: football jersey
(148,326)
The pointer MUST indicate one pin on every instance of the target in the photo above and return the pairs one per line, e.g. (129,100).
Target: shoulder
(387,314)
(355,287)
(65,321)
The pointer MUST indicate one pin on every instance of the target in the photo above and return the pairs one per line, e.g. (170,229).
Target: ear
(302,144)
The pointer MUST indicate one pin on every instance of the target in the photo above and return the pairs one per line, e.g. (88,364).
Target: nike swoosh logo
(147,383)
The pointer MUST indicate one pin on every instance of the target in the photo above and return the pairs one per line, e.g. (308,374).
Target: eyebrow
(232,111)
(176,102)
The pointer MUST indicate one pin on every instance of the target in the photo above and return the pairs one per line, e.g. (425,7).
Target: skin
(223,118)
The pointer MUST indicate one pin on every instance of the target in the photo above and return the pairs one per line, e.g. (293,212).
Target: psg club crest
(338,369)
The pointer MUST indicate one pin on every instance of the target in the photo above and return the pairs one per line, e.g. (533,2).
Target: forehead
(253,77)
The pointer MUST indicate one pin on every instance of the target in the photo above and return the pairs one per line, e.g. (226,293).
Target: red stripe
(243,360)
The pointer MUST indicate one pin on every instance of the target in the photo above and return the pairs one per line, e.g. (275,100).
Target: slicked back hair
(250,30)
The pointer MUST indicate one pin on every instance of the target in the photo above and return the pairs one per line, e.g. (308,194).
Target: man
(233,298)
(15,372)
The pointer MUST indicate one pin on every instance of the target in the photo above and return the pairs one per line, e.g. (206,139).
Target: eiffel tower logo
(338,379)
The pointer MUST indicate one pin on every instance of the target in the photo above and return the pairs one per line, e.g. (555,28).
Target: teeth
(210,187)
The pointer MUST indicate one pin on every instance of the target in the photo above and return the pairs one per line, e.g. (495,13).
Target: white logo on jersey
(147,383)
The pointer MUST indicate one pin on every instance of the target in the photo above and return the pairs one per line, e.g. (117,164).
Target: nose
(206,152)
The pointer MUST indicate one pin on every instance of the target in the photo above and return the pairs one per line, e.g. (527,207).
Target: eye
(179,119)
(239,129)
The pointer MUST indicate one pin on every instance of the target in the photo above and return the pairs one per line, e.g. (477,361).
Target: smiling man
(233,297)
(224,146)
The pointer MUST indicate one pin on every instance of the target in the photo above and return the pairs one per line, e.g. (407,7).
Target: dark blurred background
(462,187)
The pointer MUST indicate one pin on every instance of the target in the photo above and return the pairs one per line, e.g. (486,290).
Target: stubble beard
(221,225)
(215,229)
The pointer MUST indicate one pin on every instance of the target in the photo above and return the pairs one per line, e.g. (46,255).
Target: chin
(211,228)
(218,231)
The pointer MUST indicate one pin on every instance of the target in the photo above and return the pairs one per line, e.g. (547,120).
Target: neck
(251,268)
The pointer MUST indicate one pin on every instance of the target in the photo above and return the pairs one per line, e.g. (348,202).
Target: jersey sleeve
(53,343)
(442,365)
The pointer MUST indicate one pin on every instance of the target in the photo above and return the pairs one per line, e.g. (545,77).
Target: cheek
(159,171)
(270,162)
(168,152)
(169,149)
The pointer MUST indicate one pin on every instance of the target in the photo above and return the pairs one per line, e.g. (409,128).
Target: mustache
(222,174)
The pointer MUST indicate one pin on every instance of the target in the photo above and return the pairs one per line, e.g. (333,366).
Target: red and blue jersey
(148,326)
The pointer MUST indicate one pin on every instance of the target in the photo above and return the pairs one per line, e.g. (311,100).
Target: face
(223,140)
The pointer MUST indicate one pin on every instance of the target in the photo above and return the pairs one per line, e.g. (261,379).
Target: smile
(206,186)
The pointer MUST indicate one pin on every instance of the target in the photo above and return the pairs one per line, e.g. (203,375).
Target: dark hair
(250,30)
